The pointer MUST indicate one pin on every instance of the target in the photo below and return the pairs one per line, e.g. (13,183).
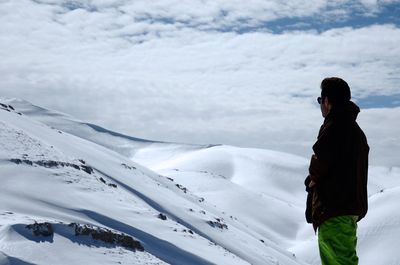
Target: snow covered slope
(123,144)
(48,175)
(264,189)
(224,205)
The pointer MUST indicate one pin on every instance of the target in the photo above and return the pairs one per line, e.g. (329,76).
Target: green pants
(337,239)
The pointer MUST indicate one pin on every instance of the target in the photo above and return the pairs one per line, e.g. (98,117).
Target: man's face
(325,106)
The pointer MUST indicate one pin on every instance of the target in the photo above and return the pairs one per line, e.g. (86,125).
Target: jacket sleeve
(318,169)
(325,154)
(308,212)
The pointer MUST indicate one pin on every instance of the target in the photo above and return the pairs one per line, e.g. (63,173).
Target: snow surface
(224,204)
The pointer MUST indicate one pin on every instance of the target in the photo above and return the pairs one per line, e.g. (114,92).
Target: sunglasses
(319,100)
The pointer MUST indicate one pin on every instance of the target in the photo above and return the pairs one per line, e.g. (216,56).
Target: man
(337,180)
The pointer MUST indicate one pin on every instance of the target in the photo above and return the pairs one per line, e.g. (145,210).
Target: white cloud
(170,81)
(201,14)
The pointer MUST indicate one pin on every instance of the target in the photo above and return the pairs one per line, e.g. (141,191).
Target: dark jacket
(339,167)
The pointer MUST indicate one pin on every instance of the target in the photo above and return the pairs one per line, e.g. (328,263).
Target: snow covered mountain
(111,198)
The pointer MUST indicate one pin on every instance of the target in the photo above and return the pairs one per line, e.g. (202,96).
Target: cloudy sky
(244,73)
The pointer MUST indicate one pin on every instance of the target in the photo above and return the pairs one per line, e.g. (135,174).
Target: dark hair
(336,89)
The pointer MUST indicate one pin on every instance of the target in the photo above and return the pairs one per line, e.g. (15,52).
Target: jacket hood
(347,111)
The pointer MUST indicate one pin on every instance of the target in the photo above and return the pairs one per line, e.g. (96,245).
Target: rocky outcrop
(219,223)
(162,216)
(53,164)
(128,167)
(8,108)
(184,189)
(58,164)
(107,236)
(97,233)
(41,229)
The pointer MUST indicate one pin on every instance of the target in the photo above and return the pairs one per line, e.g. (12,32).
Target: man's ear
(327,103)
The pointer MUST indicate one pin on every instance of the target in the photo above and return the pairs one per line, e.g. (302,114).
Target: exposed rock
(74,166)
(52,164)
(49,163)
(6,107)
(218,224)
(108,184)
(107,236)
(21,161)
(128,167)
(234,218)
(162,216)
(6,213)
(187,231)
(87,169)
(181,187)
(41,229)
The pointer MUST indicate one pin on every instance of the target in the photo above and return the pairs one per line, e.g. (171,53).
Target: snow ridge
(184,204)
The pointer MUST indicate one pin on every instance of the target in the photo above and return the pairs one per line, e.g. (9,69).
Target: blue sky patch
(388,14)
(379,101)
